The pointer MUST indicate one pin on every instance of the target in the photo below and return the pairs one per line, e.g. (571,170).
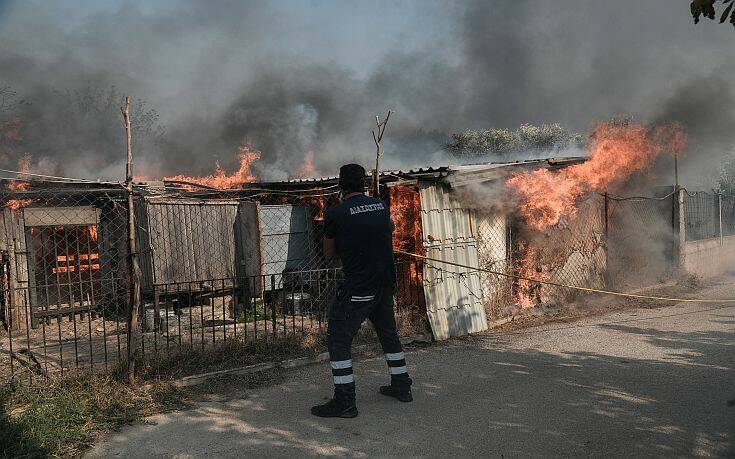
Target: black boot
(335,409)
(402,394)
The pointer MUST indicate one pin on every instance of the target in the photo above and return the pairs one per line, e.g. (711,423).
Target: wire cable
(573,287)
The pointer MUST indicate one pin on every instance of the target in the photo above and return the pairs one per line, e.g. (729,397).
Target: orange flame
(615,153)
(307,169)
(528,293)
(92,232)
(220,179)
(405,214)
(318,204)
(24,166)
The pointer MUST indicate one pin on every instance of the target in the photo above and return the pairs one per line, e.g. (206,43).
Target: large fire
(220,179)
(615,153)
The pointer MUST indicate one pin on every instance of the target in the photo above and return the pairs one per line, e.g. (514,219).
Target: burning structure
(223,258)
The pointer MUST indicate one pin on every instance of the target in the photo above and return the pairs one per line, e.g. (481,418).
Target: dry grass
(229,354)
(64,416)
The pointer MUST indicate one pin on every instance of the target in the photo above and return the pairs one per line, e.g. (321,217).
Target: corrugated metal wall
(186,241)
(454,300)
(286,232)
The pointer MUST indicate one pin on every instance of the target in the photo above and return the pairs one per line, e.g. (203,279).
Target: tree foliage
(73,131)
(504,141)
(707,9)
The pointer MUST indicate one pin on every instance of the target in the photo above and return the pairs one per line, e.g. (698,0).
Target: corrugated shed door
(454,300)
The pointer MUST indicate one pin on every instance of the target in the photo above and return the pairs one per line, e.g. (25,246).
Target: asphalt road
(647,383)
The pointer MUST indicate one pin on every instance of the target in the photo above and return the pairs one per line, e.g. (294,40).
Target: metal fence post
(606,246)
(681,218)
(719,215)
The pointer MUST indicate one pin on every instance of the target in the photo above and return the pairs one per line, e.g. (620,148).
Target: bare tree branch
(377,138)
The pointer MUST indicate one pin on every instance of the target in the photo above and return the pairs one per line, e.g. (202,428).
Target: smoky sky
(307,76)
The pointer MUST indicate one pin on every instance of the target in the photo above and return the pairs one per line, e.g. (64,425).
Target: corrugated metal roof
(458,170)
(453,295)
(479,173)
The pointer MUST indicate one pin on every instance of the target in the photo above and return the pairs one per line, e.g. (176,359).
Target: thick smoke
(222,71)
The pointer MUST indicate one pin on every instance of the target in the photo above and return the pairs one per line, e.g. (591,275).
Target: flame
(220,180)
(307,169)
(405,214)
(24,166)
(318,204)
(92,231)
(528,293)
(615,153)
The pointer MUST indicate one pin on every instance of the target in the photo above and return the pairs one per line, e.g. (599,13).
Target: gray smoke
(220,72)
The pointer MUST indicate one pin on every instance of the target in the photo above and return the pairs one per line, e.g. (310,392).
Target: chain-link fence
(702,215)
(494,254)
(642,240)
(235,268)
(212,270)
(64,287)
(728,214)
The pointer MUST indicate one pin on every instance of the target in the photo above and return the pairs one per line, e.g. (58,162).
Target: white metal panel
(453,294)
(61,216)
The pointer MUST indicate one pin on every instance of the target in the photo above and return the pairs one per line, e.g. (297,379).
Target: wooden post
(133,331)
(377,138)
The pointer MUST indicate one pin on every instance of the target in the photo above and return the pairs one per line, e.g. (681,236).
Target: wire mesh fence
(221,269)
(212,271)
(642,240)
(493,252)
(64,286)
(728,214)
(702,215)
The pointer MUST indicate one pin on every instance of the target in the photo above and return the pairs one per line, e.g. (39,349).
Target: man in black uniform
(359,230)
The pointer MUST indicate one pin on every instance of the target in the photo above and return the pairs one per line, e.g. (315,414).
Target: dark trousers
(346,315)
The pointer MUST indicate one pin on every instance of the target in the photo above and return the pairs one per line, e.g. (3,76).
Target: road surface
(645,383)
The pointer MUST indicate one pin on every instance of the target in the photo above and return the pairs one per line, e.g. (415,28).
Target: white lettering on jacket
(367,208)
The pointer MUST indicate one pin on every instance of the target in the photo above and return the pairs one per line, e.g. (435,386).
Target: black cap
(352,177)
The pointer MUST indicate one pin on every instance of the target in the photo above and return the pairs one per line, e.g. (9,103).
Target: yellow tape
(574,287)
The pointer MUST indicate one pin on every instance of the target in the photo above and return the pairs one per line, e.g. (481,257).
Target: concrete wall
(709,257)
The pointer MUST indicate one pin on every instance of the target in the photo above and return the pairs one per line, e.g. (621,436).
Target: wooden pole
(133,331)
(377,138)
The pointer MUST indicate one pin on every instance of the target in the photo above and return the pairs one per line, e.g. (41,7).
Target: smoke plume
(300,77)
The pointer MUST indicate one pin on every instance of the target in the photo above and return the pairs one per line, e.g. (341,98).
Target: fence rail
(183,316)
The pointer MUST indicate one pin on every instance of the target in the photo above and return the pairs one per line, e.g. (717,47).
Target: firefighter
(358,230)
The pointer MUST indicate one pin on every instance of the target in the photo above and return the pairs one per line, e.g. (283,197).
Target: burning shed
(460,218)
(63,254)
